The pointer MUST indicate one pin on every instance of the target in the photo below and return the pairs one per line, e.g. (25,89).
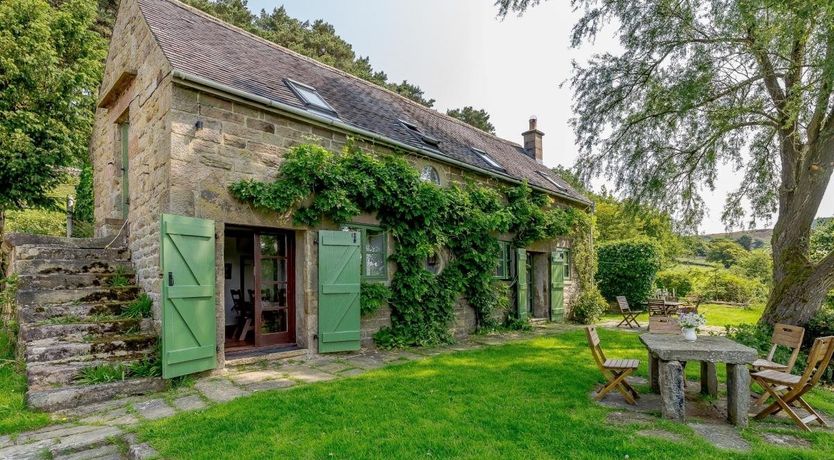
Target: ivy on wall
(423,218)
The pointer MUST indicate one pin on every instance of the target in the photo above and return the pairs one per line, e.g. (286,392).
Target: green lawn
(14,416)
(522,400)
(715,314)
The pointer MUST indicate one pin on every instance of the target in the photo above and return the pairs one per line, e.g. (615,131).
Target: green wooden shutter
(521,282)
(557,286)
(339,283)
(189,333)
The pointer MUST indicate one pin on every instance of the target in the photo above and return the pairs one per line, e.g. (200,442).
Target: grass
(715,314)
(724,315)
(14,415)
(139,308)
(522,400)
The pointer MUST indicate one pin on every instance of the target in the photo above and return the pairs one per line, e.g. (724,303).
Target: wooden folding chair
(614,370)
(786,336)
(657,307)
(629,316)
(795,386)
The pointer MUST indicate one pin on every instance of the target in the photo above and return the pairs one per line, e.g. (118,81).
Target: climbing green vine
(460,222)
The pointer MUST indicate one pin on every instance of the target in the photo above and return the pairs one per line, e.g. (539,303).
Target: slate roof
(201,45)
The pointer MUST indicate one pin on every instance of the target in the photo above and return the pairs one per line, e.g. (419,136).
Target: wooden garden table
(668,351)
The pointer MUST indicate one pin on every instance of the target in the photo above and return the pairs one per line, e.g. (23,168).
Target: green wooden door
(557,286)
(188,307)
(521,282)
(339,282)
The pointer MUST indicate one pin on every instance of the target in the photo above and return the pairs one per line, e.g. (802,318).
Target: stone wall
(144,104)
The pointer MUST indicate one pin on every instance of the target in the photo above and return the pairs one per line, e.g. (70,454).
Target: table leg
(653,378)
(671,390)
(709,380)
(738,394)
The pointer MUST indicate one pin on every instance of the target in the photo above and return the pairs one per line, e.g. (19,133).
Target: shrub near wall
(628,268)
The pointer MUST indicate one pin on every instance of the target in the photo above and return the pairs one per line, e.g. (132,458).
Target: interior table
(668,351)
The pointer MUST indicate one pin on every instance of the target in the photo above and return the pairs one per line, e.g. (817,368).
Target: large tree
(704,83)
(50,61)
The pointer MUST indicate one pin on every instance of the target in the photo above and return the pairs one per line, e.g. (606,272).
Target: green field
(518,401)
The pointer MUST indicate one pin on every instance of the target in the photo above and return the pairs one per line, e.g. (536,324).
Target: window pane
(273,245)
(374,264)
(273,270)
(374,241)
(429,174)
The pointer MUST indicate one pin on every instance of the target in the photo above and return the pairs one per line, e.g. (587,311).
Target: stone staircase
(70,300)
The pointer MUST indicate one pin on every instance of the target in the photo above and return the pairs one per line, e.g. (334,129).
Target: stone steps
(53,252)
(38,313)
(79,395)
(81,295)
(105,347)
(84,327)
(48,375)
(74,280)
(70,319)
(69,266)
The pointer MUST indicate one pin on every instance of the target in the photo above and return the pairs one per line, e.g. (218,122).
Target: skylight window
(487,158)
(311,98)
(433,141)
(552,181)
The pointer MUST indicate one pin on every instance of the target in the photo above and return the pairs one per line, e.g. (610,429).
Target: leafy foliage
(372,297)
(317,40)
(679,282)
(423,219)
(51,63)
(725,251)
(478,118)
(628,268)
(84,195)
(822,240)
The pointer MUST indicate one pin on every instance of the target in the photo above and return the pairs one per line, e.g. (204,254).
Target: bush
(628,268)
(724,286)
(588,307)
(678,281)
(821,325)
(725,251)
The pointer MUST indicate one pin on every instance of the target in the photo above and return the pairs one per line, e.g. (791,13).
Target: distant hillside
(763,234)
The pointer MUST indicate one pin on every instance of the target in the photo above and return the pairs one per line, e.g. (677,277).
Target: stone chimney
(533,140)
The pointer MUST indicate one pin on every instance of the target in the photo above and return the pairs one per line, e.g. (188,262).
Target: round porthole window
(429,174)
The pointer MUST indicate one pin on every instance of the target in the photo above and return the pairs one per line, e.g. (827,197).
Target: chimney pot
(533,140)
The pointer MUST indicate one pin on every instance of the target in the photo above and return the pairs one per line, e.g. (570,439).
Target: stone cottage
(190,105)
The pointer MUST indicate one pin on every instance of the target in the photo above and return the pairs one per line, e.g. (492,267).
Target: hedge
(628,268)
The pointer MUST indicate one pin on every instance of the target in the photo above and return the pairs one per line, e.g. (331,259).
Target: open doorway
(259,289)
(538,280)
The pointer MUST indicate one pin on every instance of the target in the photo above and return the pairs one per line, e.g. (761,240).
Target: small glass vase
(689,334)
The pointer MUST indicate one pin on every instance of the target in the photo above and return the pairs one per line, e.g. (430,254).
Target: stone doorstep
(245,360)
(67,444)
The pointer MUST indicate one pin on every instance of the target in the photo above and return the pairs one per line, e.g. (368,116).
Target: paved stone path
(101,431)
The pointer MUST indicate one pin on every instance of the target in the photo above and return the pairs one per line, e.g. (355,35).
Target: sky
(461,54)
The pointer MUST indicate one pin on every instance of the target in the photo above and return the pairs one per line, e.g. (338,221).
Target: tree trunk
(799,284)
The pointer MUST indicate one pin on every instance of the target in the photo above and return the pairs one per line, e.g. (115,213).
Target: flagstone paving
(101,431)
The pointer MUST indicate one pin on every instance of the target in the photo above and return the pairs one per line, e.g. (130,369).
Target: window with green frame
(502,271)
(374,252)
